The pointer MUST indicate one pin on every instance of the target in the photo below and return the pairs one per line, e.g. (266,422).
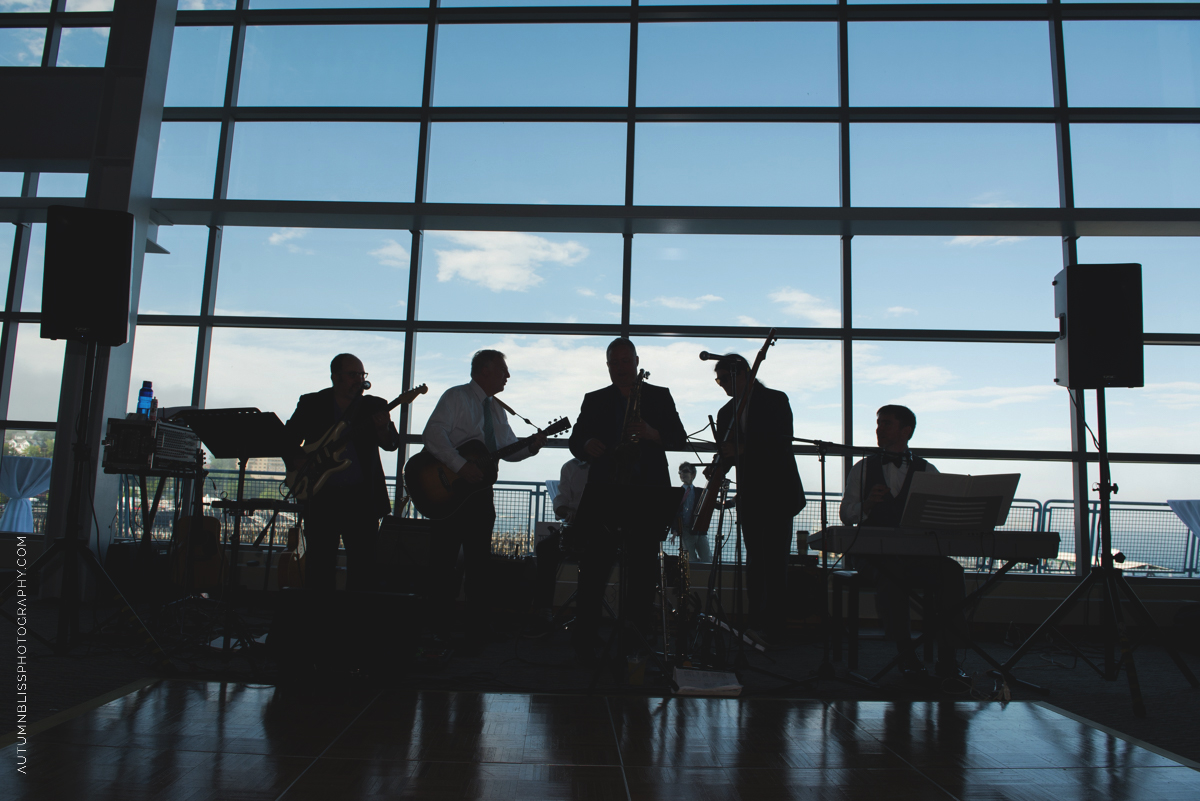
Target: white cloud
(975,241)
(587,293)
(868,368)
(286,364)
(749,321)
(393,254)
(897,311)
(993,200)
(688,303)
(33,40)
(503,260)
(1181,395)
(284,236)
(949,400)
(799,303)
(37,376)
(913,376)
(611,298)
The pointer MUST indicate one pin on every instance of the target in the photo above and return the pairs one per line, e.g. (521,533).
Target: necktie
(489,429)
(893,458)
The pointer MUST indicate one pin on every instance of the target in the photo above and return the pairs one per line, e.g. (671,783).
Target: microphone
(706,356)
(366,385)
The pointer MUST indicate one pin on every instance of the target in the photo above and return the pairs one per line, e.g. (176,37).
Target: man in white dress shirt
(876,491)
(464,413)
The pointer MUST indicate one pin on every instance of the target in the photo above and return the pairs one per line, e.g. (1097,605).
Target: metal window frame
(843,220)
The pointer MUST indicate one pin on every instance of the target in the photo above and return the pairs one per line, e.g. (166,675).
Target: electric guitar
(437,491)
(326,456)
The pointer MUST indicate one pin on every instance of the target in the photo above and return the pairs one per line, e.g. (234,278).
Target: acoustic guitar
(326,456)
(438,492)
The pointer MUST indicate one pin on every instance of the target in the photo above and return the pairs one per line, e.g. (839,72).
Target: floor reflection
(196,740)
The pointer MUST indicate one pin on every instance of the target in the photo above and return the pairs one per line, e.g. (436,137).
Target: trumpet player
(624,431)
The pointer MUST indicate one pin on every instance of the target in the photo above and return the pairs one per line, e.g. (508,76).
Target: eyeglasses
(352,373)
(721,379)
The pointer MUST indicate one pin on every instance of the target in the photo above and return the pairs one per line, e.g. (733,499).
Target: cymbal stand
(234,630)
(827,670)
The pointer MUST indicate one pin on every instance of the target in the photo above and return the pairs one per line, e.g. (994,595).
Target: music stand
(242,433)
(623,511)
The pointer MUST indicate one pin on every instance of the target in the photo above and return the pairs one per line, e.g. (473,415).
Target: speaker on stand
(1099,345)
(85,285)
(85,298)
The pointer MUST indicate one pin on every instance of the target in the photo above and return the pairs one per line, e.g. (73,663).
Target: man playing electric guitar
(464,413)
(353,499)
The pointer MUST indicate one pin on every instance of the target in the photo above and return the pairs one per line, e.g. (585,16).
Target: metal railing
(1154,541)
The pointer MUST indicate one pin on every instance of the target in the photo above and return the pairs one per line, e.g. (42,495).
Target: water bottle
(145,395)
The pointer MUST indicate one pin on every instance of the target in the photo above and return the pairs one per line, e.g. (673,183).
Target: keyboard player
(876,491)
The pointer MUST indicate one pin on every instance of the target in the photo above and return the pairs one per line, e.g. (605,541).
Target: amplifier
(144,446)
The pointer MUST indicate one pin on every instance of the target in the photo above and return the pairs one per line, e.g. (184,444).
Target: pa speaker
(85,286)
(1099,310)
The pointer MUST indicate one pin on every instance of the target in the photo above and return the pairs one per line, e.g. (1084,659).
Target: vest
(888,511)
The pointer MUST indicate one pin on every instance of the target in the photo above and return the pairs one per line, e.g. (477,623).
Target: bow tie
(893,458)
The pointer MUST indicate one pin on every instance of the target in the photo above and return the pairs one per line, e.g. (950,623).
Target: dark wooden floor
(195,740)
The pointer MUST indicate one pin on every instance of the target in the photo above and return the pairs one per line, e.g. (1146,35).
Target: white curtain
(1188,512)
(21,478)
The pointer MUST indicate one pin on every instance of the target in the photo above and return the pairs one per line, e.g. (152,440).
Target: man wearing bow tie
(876,492)
(884,478)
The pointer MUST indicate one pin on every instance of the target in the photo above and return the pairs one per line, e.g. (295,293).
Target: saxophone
(626,454)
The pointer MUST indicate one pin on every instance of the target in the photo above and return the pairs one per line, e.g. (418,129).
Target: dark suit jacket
(601,417)
(767,479)
(315,414)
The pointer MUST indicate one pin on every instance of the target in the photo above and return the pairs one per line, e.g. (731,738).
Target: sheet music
(953,501)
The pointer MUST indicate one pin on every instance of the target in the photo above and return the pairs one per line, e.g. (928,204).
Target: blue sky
(965,395)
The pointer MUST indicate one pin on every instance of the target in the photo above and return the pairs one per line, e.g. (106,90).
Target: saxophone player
(624,431)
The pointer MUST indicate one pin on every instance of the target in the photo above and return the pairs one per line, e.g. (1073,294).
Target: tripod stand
(71,547)
(1112,580)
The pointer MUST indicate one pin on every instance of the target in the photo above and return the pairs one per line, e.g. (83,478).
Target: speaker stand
(1112,580)
(74,550)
